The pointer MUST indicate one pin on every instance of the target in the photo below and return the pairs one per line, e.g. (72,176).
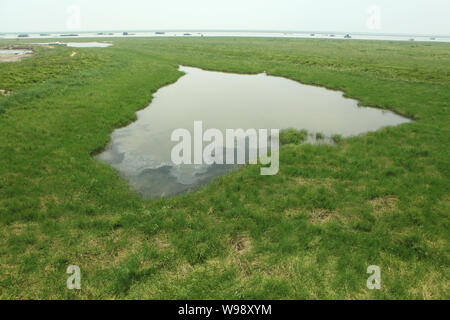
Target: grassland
(309,232)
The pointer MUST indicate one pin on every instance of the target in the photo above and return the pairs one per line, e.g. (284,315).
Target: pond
(141,152)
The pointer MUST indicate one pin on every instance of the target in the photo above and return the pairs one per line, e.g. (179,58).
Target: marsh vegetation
(309,232)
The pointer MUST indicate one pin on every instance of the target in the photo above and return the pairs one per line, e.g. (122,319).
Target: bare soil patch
(14,54)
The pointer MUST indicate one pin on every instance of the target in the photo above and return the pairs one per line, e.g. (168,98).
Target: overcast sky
(382,16)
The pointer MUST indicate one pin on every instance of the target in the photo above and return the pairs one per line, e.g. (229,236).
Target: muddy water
(141,152)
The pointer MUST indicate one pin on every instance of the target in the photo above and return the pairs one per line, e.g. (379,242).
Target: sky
(365,16)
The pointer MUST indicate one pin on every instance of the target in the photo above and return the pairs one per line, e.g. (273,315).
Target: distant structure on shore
(347,36)
(23,35)
(159,32)
(69,35)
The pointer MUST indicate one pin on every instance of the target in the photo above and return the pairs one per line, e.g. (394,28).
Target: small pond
(141,152)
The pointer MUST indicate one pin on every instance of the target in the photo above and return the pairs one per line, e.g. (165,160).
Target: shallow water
(88,44)
(141,152)
(79,44)
(15,51)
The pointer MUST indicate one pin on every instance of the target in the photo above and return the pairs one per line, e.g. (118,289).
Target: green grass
(292,136)
(309,232)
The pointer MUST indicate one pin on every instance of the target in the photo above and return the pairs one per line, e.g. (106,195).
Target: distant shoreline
(229,31)
(225,33)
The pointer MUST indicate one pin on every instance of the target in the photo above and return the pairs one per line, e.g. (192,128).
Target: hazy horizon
(414,17)
(231,31)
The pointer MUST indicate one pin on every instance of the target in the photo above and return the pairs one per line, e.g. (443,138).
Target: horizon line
(230,30)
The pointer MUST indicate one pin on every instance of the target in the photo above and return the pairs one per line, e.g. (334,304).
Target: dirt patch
(321,215)
(162,241)
(292,212)
(14,54)
(241,244)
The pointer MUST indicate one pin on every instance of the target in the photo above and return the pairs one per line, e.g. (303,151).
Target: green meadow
(309,232)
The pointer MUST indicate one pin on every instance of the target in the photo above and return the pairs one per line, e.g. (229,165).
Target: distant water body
(308,35)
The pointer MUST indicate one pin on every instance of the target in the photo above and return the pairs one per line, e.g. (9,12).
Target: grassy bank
(309,232)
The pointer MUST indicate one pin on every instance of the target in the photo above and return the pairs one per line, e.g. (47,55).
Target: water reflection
(141,152)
